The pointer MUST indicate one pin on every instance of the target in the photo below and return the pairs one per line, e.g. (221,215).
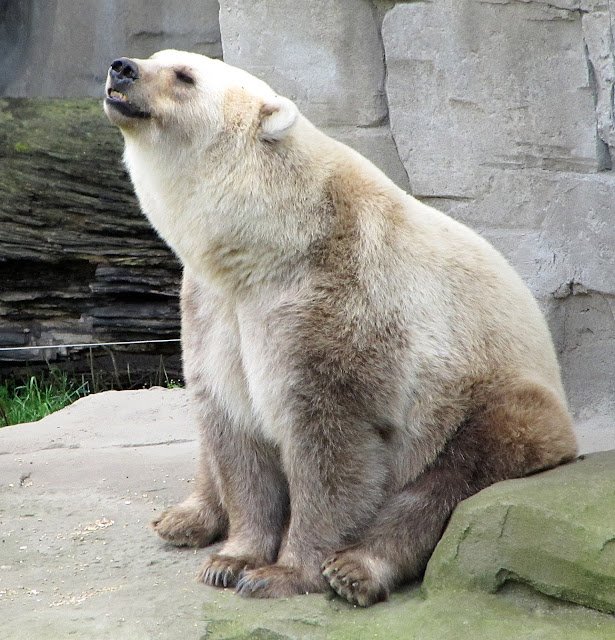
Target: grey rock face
(469,99)
(502,113)
(63,47)
(329,60)
(598,38)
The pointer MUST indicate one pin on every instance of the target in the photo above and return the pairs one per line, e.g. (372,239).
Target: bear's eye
(184,77)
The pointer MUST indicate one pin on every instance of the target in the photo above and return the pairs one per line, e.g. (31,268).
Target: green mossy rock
(513,615)
(554,532)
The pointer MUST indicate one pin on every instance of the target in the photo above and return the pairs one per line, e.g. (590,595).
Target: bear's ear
(278,115)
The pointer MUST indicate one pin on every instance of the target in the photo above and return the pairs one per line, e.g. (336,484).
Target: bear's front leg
(200,520)
(255,496)
(336,470)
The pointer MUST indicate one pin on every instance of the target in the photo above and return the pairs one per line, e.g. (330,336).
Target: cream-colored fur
(234,230)
(239,184)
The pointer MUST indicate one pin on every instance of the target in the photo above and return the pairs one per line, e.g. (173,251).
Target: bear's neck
(226,224)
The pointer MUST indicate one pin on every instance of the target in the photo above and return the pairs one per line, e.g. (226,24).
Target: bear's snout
(123,71)
(123,101)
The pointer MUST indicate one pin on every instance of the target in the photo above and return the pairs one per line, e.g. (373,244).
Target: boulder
(553,532)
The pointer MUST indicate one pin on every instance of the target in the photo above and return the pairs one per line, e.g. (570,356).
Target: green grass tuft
(38,397)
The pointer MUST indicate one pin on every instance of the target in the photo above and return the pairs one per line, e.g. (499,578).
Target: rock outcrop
(79,263)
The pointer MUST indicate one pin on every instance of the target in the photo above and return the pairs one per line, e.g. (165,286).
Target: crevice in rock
(504,521)
(379,10)
(549,5)
(377,17)
(603,152)
(380,122)
(574,597)
(464,534)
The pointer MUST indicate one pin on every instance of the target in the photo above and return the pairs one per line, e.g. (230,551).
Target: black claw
(245,586)
(227,578)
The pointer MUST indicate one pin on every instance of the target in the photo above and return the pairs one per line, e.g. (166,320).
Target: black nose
(124,70)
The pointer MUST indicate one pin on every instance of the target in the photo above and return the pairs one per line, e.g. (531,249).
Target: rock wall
(62,48)
(499,112)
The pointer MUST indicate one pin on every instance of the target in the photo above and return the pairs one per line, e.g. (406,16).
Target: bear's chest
(238,354)
(268,373)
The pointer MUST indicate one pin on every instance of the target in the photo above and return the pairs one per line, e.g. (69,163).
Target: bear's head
(193,100)
(215,156)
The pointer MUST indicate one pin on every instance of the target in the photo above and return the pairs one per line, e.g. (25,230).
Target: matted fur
(358,361)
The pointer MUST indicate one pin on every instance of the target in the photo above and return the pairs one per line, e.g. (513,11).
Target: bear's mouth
(120,101)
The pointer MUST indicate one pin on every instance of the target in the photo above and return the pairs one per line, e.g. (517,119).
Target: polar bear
(358,361)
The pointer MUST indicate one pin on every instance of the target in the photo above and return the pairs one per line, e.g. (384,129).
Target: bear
(357,361)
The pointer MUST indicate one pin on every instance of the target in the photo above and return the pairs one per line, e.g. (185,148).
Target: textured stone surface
(597,19)
(502,114)
(65,46)
(77,559)
(329,60)
(79,263)
(554,532)
(468,98)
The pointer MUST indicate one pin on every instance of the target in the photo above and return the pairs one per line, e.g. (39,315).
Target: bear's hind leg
(521,430)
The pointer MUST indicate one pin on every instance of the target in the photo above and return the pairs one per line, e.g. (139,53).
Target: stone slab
(466,96)
(502,113)
(327,57)
(77,558)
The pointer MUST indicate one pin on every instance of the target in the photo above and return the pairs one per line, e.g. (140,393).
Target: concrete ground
(78,560)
